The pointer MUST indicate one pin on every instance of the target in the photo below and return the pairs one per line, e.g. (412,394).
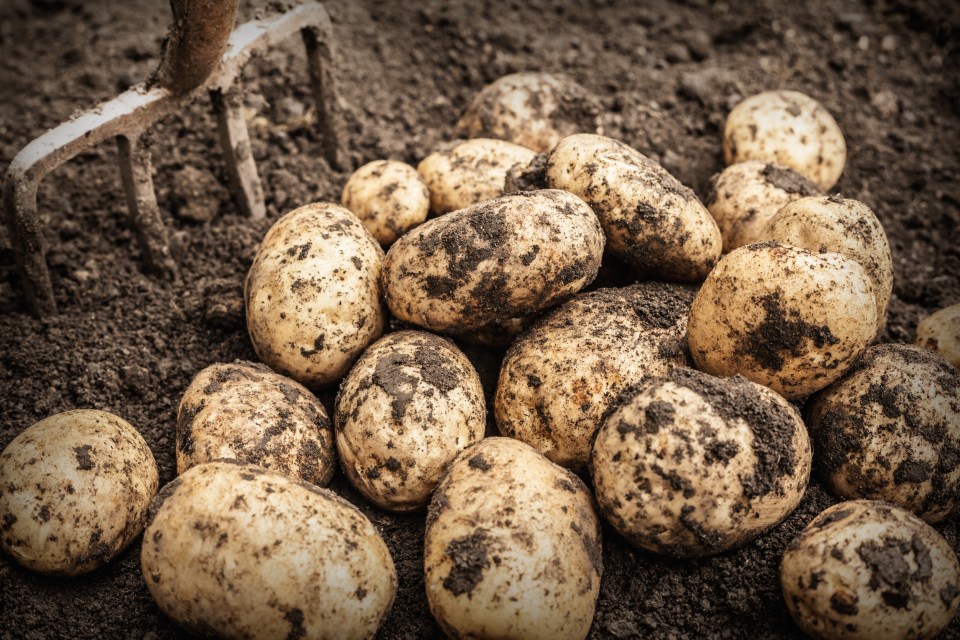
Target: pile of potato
(693,404)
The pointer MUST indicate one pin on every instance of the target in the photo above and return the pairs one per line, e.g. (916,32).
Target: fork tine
(318,41)
(238,157)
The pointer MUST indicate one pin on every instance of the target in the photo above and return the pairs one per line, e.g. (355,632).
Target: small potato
(512,547)
(654,223)
(404,412)
(389,198)
(940,332)
(235,551)
(74,491)
(783,317)
(505,258)
(790,129)
(688,464)
(558,378)
(866,570)
(471,172)
(313,294)
(889,429)
(246,412)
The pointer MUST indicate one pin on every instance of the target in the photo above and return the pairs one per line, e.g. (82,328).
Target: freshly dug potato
(236,551)
(940,332)
(865,570)
(246,412)
(313,294)
(501,259)
(688,464)
(470,172)
(783,317)
(889,429)
(654,223)
(74,491)
(404,412)
(389,198)
(558,378)
(512,547)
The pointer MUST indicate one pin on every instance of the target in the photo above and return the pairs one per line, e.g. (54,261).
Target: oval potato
(940,332)
(389,198)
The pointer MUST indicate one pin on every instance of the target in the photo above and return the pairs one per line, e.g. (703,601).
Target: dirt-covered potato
(74,491)
(407,408)
(470,172)
(389,198)
(940,332)
(313,295)
(783,317)
(246,412)
(501,259)
(865,570)
(889,429)
(236,551)
(688,464)
(512,547)
(558,378)
(654,223)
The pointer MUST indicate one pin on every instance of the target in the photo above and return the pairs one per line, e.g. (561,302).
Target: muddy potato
(940,332)
(512,547)
(246,412)
(236,551)
(75,491)
(651,221)
(389,198)
(783,317)
(313,294)
(865,570)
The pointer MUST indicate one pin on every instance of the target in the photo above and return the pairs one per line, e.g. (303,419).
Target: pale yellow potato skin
(247,412)
(783,317)
(651,221)
(236,551)
(790,129)
(389,197)
(75,491)
(313,298)
(865,570)
(512,547)
(940,332)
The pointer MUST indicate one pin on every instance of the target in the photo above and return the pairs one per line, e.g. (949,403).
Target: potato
(313,296)
(558,378)
(74,491)
(790,129)
(534,110)
(404,412)
(246,412)
(470,172)
(512,547)
(501,259)
(783,317)
(389,198)
(940,332)
(889,429)
(236,551)
(868,570)
(654,223)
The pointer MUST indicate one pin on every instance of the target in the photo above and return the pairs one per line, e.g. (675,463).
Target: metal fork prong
(26,234)
(318,42)
(237,154)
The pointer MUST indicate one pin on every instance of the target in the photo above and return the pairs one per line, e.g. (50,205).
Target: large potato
(313,294)
(389,198)
(236,551)
(940,332)
(501,259)
(74,491)
(512,547)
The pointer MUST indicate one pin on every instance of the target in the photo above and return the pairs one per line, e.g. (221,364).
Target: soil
(666,76)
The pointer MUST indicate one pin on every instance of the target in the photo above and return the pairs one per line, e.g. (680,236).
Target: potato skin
(940,332)
(76,487)
(501,259)
(247,412)
(512,547)
(236,551)
(389,198)
(313,294)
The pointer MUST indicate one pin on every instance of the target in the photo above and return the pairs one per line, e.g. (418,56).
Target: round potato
(790,129)
(389,198)
(866,570)
(940,332)
(783,317)
(501,259)
(654,223)
(246,412)
(512,547)
(313,295)
(233,550)
(74,491)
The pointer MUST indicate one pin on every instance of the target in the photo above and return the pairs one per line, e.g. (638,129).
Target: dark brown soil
(666,74)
